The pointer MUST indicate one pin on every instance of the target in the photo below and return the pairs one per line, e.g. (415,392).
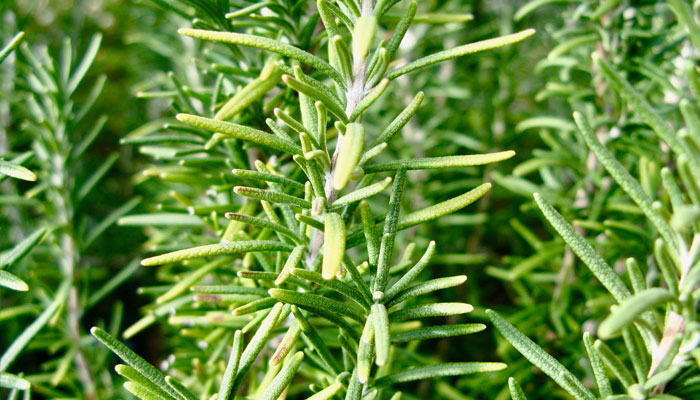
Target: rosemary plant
(53,221)
(291,264)
(657,356)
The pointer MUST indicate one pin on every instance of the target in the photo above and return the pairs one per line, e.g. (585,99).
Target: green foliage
(300,189)
(613,117)
(293,229)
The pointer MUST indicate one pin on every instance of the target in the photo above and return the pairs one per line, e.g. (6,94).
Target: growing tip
(149,262)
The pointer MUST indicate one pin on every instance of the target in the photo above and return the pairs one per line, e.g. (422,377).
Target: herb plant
(300,247)
(657,356)
(308,183)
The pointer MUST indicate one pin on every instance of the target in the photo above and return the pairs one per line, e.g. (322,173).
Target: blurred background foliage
(519,97)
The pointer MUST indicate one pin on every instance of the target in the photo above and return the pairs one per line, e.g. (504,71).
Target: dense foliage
(218,199)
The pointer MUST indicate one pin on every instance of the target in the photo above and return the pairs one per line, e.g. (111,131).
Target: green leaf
(292,261)
(327,393)
(427,287)
(339,56)
(354,391)
(11,45)
(133,375)
(254,306)
(286,344)
(180,388)
(241,132)
(363,193)
(133,360)
(334,284)
(13,282)
(382,338)
(16,171)
(684,14)
(84,65)
(516,393)
(440,162)
(140,391)
(10,381)
(271,276)
(460,51)
(333,245)
(271,45)
(369,99)
(192,278)
(605,274)
(256,344)
(271,196)
(160,219)
(316,342)
(446,207)
(647,113)
(400,121)
(624,179)
(331,102)
(363,34)
(412,274)
(375,73)
(365,350)
(631,308)
(349,154)
(320,305)
(439,371)
(391,221)
(614,363)
(217,249)
(401,29)
(231,367)
(246,219)
(431,310)
(96,176)
(436,332)
(369,229)
(548,364)
(9,258)
(597,365)
(266,177)
(259,87)
(30,331)
(283,378)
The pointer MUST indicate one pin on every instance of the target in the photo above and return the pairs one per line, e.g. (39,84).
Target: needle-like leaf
(333,245)
(605,274)
(440,162)
(548,364)
(437,332)
(16,171)
(439,370)
(263,43)
(217,249)
(461,51)
(631,308)
(241,132)
(133,360)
